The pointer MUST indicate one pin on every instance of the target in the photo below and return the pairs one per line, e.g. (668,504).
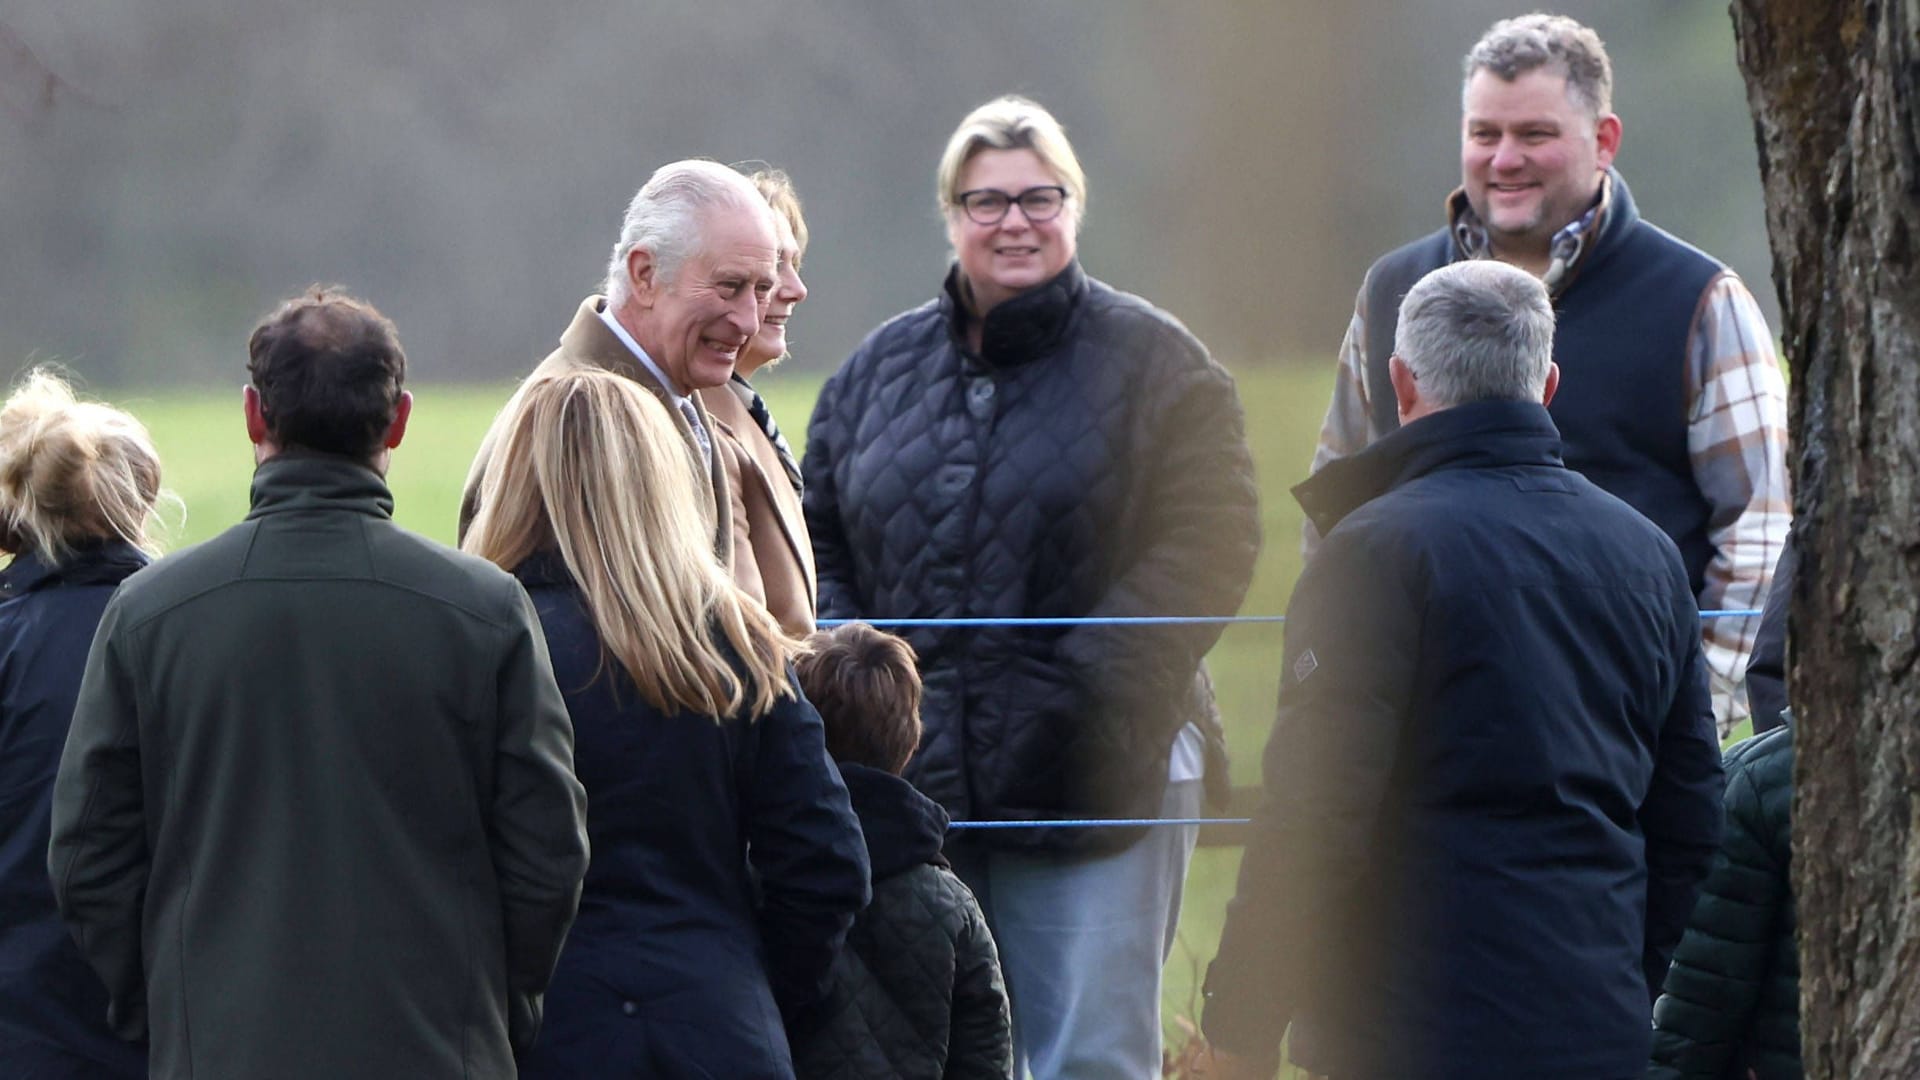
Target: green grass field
(207,462)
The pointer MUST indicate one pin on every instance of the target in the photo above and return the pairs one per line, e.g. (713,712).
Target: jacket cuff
(1237,1019)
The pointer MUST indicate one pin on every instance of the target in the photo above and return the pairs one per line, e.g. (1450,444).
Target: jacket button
(980,399)
(629,1008)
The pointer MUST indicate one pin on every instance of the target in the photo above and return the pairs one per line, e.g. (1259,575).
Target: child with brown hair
(917,992)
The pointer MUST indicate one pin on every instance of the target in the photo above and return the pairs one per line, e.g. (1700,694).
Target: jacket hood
(103,562)
(1023,328)
(904,828)
(307,480)
(1481,434)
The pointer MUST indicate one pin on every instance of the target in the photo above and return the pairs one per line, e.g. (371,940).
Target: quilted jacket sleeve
(1721,966)
(805,844)
(980,1043)
(1195,550)
(833,560)
(98,859)
(1680,816)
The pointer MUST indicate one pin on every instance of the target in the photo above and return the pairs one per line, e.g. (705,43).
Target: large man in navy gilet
(1674,401)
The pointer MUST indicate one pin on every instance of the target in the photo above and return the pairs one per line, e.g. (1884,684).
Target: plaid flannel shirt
(1736,439)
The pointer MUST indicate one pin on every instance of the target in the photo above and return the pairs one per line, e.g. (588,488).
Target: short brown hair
(329,371)
(1513,47)
(866,685)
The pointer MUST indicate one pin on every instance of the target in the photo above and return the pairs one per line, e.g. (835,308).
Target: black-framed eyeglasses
(989,206)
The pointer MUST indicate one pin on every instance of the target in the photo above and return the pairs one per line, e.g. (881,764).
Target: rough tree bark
(1832,85)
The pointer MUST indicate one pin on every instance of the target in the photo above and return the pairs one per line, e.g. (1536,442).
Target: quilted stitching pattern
(1732,995)
(906,1000)
(1102,471)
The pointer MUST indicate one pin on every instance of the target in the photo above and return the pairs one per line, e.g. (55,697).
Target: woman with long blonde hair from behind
(78,485)
(706,772)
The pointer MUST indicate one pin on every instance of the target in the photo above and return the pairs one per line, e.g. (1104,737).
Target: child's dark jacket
(917,991)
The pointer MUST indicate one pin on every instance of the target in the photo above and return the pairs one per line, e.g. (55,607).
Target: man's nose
(746,315)
(1508,154)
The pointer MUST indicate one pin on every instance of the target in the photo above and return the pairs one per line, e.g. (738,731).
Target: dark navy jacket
(672,969)
(1767,669)
(1623,320)
(1493,783)
(53,1008)
(1088,462)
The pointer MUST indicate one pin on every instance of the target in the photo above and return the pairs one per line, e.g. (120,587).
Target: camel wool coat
(587,344)
(772,554)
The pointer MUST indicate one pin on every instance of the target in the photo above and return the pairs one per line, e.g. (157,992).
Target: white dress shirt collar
(613,324)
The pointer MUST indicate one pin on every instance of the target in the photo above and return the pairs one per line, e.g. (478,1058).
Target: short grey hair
(1477,331)
(665,217)
(1513,47)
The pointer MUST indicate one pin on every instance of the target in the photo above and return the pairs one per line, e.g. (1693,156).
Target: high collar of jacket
(544,568)
(1480,435)
(904,828)
(97,562)
(298,479)
(1617,214)
(1019,329)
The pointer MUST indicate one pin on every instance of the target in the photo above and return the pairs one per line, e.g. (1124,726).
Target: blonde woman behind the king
(699,758)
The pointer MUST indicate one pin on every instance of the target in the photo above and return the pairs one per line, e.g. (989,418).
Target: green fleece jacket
(317,814)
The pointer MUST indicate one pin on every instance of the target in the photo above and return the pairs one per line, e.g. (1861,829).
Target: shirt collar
(659,376)
(1563,251)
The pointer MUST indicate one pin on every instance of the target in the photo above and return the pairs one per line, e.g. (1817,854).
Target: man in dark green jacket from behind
(317,814)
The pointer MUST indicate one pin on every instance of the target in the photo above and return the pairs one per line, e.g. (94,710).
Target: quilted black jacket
(1732,999)
(1089,462)
(917,992)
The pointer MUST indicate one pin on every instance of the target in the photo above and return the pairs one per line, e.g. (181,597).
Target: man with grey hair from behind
(1675,402)
(1493,784)
(686,286)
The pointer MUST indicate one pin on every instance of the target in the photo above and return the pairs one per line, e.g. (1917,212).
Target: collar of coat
(308,480)
(1612,216)
(903,828)
(99,562)
(1022,329)
(1479,435)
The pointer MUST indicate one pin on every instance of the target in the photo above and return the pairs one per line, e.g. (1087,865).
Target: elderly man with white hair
(687,284)
(1493,782)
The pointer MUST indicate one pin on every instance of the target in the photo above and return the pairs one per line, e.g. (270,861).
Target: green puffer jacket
(1732,996)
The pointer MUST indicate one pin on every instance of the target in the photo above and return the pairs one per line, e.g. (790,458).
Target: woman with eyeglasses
(1033,443)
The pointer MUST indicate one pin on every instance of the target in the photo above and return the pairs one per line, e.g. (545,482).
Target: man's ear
(1553,384)
(642,274)
(398,429)
(1406,389)
(256,415)
(1606,134)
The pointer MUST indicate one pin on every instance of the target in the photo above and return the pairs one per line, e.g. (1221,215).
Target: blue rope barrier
(1153,620)
(1097,823)
(1132,620)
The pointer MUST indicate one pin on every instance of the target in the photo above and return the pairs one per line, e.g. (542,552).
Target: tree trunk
(1832,88)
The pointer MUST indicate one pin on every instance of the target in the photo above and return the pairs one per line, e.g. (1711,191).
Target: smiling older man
(687,285)
(1673,399)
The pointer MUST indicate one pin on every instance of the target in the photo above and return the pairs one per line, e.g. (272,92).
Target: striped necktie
(700,435)
(757,408)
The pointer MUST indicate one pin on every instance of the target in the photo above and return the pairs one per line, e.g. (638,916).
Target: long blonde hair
(72,471)
(590,466)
